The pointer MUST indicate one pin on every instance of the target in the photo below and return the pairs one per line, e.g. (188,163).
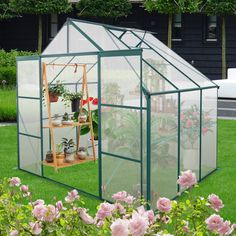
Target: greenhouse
(144,113)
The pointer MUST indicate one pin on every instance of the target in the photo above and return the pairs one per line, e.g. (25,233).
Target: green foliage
(8,74)
(220,7)
(7,105)
(6,12)
(101,8)
(9,58)
(56,89)
(40,7)
(173,7)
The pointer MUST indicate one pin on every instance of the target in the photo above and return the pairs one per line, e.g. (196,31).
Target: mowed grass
(7,105)
(41,188)
(222,182)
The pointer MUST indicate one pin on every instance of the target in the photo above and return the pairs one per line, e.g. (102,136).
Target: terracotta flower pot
(60,159)
(53,97)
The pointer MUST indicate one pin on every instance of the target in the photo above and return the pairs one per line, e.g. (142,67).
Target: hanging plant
(55,91)
(74,99)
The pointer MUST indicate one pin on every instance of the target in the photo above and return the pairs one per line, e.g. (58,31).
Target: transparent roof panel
(102,37)
(117,33)
(178,61)
(167,70)
(154,81)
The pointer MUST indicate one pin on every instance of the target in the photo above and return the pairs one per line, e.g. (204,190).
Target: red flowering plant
(190,125)
(94,113)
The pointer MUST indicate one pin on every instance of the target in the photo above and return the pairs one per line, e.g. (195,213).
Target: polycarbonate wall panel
(30,154)
(119,174)
(121,133)
(29,116)
(167,70)
(120,83)
(59,43)
(178,61)
(28,78)
(190,131)
(69,74)
(78,42)
(209,131)
(102,37)
(164,146)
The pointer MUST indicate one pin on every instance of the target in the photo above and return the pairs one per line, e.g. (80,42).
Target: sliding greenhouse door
(120,123)
(29,113)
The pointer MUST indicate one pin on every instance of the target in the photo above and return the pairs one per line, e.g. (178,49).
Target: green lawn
(222,182)
(7,105)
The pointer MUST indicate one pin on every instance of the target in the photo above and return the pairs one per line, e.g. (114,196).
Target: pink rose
(205,130)
(72,196)
(86,218)
(59,205)
(188,123)
(14,181)
(138,225)
(150,216)
(120,208)
(14,233)
(51,214)
(36,228)
(214,222)
(120,196)
(215,202)
(39,211)
(225,229)
(24,188)
(119,228)
(100,223)
(187,179)
(38,202)
(164,204)
(129,199)
(105,210)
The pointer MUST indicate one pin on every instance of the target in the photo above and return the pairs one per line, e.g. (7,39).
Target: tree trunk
(40,33)
(223,48)
(170,30)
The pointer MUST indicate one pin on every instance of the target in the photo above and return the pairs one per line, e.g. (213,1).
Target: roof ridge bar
(167,60)
(161,74)
(86,36)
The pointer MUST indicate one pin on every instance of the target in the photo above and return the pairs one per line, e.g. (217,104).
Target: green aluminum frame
(143,91)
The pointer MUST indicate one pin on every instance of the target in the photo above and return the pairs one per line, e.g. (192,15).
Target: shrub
(127,216)
(8,74)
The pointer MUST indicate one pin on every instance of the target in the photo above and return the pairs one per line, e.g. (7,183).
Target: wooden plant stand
(51,127)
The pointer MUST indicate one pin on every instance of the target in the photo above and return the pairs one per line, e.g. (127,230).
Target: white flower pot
(190,159)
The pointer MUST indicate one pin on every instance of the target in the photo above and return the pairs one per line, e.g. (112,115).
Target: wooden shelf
(65,164)
(66,126)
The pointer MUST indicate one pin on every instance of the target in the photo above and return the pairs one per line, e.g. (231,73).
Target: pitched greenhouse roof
(160,64)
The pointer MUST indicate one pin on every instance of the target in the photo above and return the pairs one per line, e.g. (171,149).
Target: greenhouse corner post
(179,140)
(141,121)
(200,139)
(17,113)
(148,97)
(99,129)
(41,112)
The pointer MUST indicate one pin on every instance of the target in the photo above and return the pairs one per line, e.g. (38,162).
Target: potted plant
(49,157)
(74,98)
(55,91)
(59,154)
(69,149)
(66,120)
(83,116)
(56,120)
(82,153)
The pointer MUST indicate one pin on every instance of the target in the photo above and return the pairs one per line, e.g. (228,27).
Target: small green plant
(59,148)
(68,145)
(72,96)
(56,89)
(65,116)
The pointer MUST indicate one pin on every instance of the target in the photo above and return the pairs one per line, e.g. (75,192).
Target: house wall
(21,33)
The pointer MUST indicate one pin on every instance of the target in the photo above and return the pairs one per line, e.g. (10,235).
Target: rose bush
(19,215)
